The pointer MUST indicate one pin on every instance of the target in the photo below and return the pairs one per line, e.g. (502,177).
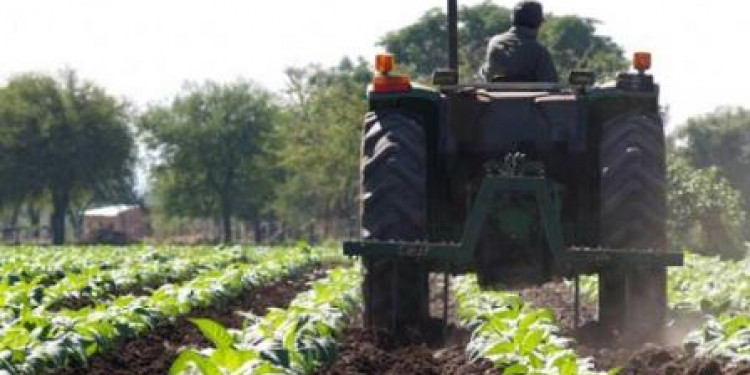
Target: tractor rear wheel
(393,207)
(633,213)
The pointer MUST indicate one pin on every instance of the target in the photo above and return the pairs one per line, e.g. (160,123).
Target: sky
(145,50)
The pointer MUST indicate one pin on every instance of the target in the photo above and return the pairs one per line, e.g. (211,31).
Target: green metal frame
(566,261)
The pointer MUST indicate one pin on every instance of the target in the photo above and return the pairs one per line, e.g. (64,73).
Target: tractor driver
(516,55)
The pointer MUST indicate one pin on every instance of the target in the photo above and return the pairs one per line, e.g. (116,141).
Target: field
(295,310)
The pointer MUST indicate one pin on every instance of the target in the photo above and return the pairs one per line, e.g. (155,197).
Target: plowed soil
(657,360)
(374,352)
(366,351)
(665,357)
(154,352)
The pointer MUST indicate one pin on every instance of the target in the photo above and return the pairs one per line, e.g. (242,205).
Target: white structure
(128,221)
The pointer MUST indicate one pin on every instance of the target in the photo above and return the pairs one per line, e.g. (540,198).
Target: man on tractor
(516,55)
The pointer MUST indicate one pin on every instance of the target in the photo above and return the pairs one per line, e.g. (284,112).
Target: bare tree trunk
(14,216)
(14,231)
(76,221)
(60,198)
(258,230)
(226,218)
(34,215)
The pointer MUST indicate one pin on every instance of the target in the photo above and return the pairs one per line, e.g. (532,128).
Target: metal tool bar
(450,252)
(600,257)
(453,35)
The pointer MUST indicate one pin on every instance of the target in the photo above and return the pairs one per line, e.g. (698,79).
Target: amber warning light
(386,82)
(642,61)
(384,63)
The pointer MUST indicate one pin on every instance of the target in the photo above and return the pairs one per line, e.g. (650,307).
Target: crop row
(97,282)
(515,336)
(511,334)
(39,340)
(712,290)
(720,291)
(47,264)
(295,340)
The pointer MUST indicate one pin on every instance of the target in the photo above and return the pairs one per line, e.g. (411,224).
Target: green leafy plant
(514,336)
(35,340)
(295,340)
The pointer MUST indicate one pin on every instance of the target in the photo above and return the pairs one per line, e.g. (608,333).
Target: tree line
(237,151)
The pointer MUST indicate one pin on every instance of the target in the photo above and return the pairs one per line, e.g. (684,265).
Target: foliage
(422,46)
(317,146)
(726,336)
(709,285)
(99,277)
(720,139)
(710,290)
(705,285)
(705,211)
(514,336)
(63,136)
(718,291)
(296,340)
(39,340)
(212,158)
(574,45)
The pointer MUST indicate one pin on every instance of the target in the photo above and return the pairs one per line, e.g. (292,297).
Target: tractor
(520,183)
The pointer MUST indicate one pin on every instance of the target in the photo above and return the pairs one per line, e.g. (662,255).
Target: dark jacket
(516,56)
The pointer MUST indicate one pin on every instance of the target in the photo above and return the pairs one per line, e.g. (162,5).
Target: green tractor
(520,183)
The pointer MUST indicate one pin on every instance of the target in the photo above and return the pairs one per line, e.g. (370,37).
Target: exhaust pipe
(449,77)
(453,36)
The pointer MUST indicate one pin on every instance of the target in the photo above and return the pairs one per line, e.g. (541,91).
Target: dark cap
(528,13)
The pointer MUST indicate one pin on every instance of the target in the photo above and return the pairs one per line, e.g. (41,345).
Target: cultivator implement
(566,261)
(557,261)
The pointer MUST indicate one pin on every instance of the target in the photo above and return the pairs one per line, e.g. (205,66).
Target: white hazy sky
(145,49)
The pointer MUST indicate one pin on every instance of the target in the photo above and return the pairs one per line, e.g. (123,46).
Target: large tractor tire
(393,207)
(633,301)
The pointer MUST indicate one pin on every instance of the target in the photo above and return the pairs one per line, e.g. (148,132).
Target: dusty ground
(371,352)
(663,357)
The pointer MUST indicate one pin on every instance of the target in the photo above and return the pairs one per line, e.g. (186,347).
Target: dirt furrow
(375,352)
(154,352)
(366,351)
(666,357)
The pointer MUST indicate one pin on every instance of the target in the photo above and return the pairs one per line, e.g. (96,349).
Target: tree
(422,46)
(720,139)
(705,211)
(318,143)
(66,136)
(212,157)
(574,45)
(21,142)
